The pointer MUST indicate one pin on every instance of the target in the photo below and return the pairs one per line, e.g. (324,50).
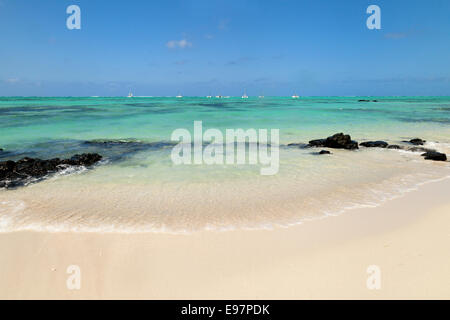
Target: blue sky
(199,47)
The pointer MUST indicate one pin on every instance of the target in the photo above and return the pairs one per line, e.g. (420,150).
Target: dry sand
(407,238)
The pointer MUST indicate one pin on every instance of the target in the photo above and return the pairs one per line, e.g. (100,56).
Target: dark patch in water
(144,105)
(112,150)
(432,120)
(215,105)
(298,145)
(38,109)
(442,108)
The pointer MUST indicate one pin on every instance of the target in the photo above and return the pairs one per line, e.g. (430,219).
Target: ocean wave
(13,219)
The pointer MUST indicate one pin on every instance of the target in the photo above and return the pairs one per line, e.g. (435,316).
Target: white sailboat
(130,94)
(245,96)
(179,95)
(295,96)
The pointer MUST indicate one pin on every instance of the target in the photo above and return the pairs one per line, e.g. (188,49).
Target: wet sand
(407,238)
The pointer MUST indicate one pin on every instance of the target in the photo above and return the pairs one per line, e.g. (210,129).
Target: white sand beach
(407,238)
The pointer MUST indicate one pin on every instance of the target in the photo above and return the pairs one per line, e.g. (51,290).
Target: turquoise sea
(137,188)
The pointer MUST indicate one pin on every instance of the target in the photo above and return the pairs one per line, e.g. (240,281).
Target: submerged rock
(434,155)
(324,152)
(129,143)
(421,149)
(298,145)
(374,144)
(336,141)
(416,142)
(394,146)
(16,173)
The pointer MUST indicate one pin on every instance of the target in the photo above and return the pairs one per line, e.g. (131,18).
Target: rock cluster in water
(16,173)
(336,141)
(344,141)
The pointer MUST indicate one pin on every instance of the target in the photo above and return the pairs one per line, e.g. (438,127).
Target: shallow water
(138,188)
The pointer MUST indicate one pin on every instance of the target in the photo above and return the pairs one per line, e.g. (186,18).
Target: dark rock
(436,156)
(374,144)
(416,142)
(394,146)
(421,149)
(85,159)
(298,145)
(337,141)
(1,149)
(324,152)
(20,172)
(317,143)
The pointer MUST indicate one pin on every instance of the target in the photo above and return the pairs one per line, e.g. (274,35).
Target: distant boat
(179,95)
(295,96)
(209,97)
(130,95)
(219,96)
(245,96)
(261,96)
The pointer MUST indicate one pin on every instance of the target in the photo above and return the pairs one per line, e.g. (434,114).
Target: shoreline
(406,237)
(80,205)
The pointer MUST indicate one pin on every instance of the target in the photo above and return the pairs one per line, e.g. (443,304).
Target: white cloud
(172,44)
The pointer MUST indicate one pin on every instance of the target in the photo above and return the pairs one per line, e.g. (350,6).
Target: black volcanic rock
(394,146)
(374,144)
(85,159)
(416,142)
(324,152)
(15,173)
(336,141)
(317,143)
(434,155)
